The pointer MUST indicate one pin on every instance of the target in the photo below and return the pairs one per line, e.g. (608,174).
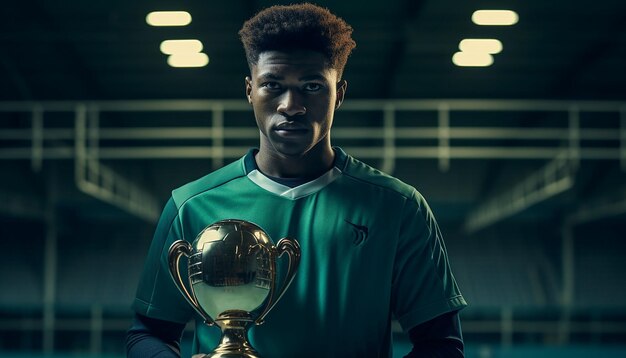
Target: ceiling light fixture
(472,59)
(188,59)
(491,46)
(495,17)
(168,18)
(170,47)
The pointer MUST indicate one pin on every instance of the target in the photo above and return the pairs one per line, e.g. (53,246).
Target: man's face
(294,95)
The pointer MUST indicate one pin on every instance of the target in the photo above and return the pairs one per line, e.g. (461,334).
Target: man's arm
(157,296)
(440,337)
(153,338)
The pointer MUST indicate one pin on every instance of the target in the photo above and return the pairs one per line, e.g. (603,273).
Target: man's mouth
(290,128)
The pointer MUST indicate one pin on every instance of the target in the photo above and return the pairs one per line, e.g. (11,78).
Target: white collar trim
(297,192)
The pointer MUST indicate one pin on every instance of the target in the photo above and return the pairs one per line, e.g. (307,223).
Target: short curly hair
(298,26)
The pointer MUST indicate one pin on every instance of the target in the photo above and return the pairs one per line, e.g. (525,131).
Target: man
(371,248)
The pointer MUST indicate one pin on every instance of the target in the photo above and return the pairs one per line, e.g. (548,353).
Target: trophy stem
(234,342)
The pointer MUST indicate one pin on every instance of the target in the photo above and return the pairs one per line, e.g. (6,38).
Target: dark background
(523,162)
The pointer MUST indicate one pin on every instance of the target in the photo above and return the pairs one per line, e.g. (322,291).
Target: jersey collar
(308,188)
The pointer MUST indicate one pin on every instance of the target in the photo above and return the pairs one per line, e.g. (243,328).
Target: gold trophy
(233,279)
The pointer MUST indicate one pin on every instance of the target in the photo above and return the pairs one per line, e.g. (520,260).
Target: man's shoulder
(210,181)
(370,176)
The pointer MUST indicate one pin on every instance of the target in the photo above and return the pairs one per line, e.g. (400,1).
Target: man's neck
(312,164)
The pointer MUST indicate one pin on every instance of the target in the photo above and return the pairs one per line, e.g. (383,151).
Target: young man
(371,248)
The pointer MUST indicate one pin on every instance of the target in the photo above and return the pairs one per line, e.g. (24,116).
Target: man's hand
(198,355)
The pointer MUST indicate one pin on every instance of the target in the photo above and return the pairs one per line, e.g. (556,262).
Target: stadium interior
(522,161)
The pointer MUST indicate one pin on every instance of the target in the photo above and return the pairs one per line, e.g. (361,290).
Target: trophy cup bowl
(233,279)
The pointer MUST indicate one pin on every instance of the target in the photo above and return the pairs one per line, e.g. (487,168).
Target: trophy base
(234,349)
(234,342)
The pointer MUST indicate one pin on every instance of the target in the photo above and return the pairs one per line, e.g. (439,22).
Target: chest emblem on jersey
(359,233)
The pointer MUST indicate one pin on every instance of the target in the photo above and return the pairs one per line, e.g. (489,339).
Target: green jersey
(371,252)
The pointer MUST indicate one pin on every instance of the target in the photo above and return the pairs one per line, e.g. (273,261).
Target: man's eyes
(312,87)
(309,87)
(271,85)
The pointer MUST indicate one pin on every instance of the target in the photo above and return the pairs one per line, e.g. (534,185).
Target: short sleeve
(423,286)
(157,295)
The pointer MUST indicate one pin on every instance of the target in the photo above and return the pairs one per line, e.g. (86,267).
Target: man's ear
(249,89)
(341,92)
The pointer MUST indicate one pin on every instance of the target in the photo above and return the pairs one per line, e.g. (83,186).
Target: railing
(572,129)
(95,131)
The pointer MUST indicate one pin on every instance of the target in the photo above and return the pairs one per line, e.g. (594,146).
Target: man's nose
(291,104)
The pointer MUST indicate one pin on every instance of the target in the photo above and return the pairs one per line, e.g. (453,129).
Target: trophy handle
(178,249)
(292,248)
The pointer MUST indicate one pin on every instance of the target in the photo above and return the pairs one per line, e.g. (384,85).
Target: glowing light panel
(168,18)
(170,47)
(188,59)
(495,17)
(491,46)
(472,59)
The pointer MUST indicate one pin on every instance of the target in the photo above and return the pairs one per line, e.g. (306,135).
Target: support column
(389,132)
(93,144)
(568,265)
(50,269)
(574,136)
(444,137)
(218,136)
(506,326)
(568,272)
(37,139)
(96,329)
